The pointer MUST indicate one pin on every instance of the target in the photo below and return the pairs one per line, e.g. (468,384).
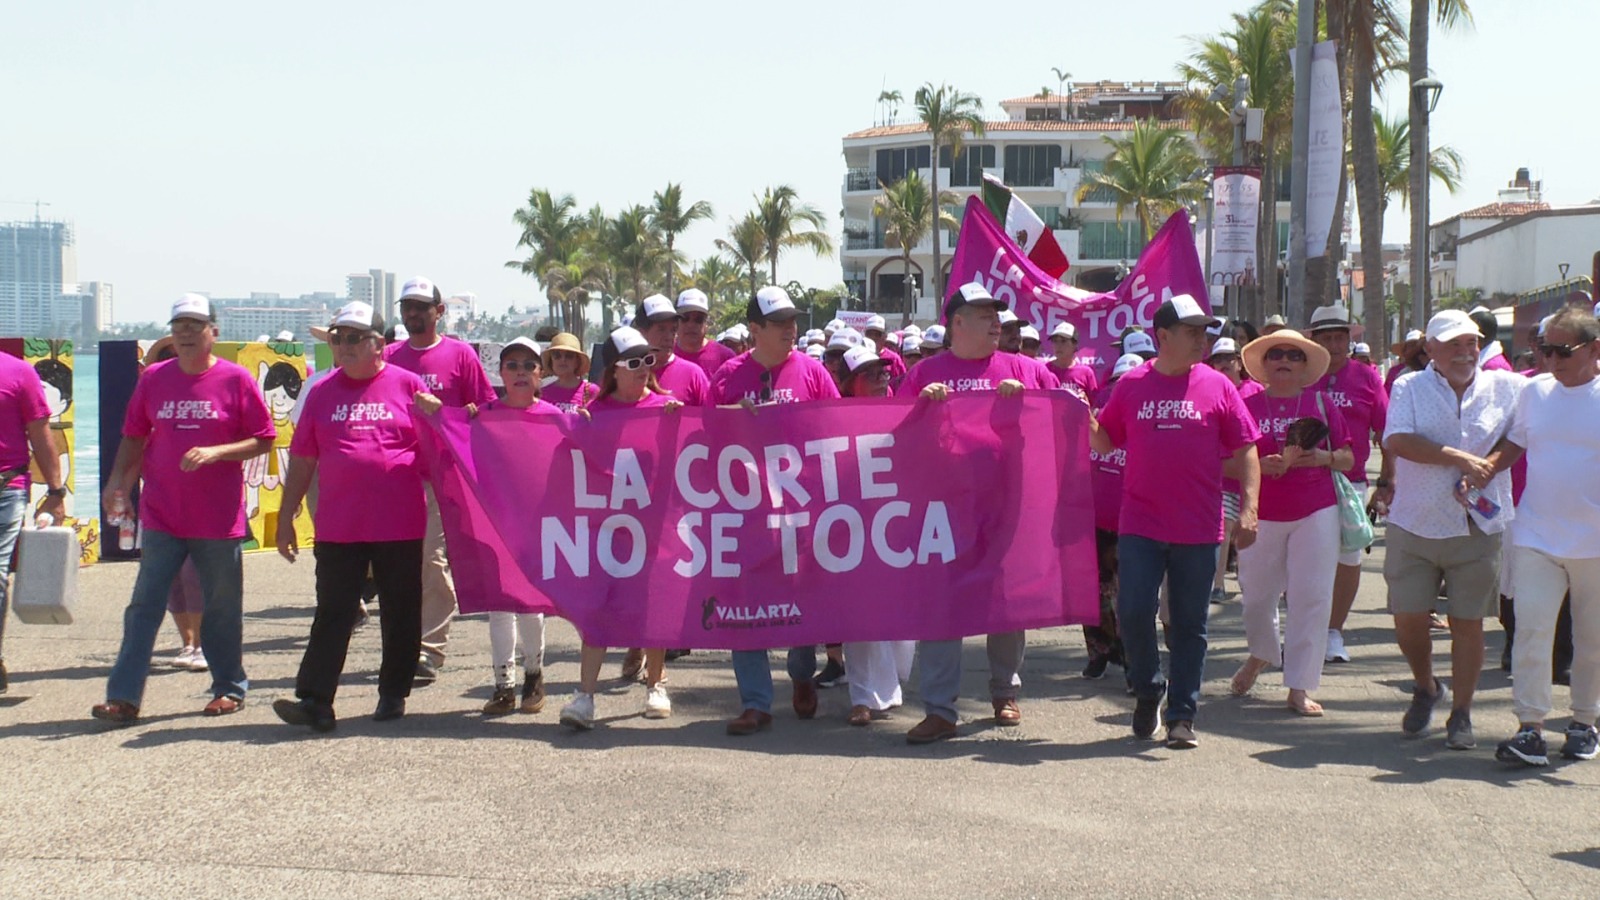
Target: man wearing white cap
(877,332)
(1443,422)
(1029,346)
(357,435)
(973,363)
(773,371)
(191,424)
(693,345)
(1178,419)
(1358,392)
(658,320)
(452,372)
(934,341)
(1064,364)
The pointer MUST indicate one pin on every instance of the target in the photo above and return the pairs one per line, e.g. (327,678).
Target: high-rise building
(375,287)
(359,287)
(38,260)
(90,302)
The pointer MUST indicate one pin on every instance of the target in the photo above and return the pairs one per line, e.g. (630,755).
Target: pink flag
(818,522)
(1169,265)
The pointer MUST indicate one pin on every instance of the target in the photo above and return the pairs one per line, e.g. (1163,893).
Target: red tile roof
(1504,210)
(1008,125)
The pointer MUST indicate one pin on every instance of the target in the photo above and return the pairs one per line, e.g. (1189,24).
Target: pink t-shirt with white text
(176,412)
(1176,429)
(369,465)
(1300,492)
(450,369)
(709,358)
(1357,389)
(569,399)
(610,403)
(685,381)
(21,402)
(797,378)
(983,374)
(1076,374)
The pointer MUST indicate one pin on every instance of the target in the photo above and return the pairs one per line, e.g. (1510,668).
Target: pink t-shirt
(983,374)
(1247,389)
(369,468)
(795,379)
(569,399)
(610,403)
(176,412)
(1177,430)
(539,408)
(1358,392)
(450,369)
(709,357)
(1300,492)
(897,363)
(685,381)
(1105,477)
(1075,374)
(21,402)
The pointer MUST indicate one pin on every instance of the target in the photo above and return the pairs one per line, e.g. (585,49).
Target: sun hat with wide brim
(1255,352)
(153,355)
(569,343)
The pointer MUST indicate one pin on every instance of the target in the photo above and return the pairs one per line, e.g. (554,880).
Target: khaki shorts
(1468,568)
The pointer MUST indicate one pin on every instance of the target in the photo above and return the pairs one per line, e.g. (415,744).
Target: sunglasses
(766,386)
(527,365)
(876,373)
(1564,351)
(348,338)
(1290,353)
(637,362)
(189,326)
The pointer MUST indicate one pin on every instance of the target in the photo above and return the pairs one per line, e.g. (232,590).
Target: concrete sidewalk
(447,804)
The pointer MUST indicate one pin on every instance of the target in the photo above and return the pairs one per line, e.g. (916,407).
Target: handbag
(1355,528)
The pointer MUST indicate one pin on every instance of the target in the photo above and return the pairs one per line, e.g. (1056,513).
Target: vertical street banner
(1325,150)
(1236,195)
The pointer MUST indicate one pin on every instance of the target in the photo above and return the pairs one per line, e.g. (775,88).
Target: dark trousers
(341,570)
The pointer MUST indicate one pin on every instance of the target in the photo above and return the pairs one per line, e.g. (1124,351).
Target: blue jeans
(941,671)
(754,675)
(220,565)
(1188,569)
(13,509)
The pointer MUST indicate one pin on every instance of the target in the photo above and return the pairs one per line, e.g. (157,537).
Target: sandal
(119,711)
(1303,705)
(1245,678)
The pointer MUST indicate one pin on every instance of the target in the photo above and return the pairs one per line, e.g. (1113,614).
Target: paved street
(447,804)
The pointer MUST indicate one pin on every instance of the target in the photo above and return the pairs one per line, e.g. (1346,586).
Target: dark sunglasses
(1564,351)
(637,362)
(1292,354)
(527,365)
(766,386)
(189,326)
(348,338)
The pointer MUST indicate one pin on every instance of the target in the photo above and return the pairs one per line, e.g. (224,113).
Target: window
(1051,216)
(1032,165)
(894,164)
(1111,240)
(1042,114)
(967,170)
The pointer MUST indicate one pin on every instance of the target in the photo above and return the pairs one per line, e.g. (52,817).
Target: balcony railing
(860,180)
(1109,245)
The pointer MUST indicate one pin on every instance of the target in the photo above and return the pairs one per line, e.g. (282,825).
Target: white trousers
(1541,582)
(876,669)
(1298,560)
(504,631)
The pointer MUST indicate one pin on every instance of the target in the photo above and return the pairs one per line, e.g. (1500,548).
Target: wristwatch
(1381,482)
(56,493)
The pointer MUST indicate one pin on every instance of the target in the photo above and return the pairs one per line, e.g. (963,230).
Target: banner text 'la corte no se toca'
(817,522)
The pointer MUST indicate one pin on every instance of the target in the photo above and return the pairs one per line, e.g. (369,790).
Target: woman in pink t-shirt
(1303,441)
(627,382)
(565,360)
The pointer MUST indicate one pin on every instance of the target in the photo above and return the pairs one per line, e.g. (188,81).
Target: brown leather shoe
(749,722)
(532,692)
(222,706)
(632,664)
(119,711)
(805,699)
(1007,713)
(930,729)
(859,715)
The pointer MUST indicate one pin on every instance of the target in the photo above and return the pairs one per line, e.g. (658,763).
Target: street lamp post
(1424,99)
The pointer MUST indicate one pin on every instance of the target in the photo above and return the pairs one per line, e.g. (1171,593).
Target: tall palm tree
(1394,162)
(747,244)
(949,115)
(721,280)
(549,231)
(783,217)
(1152,169)
(633,248)
(671,218)
(907,210)
(890,101)
(570,285)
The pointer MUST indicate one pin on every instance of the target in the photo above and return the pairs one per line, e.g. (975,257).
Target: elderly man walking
(1443,422)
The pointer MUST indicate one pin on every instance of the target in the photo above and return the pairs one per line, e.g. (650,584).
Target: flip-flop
(1300,709)
(1249,680)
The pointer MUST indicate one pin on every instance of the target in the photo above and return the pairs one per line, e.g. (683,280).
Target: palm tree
(907,210)
(890,100)
(570,286)
(721,280)
(781,215)
(1153,170)
(948,114)
(1394,162)
(747,244)
(549,231)
(670,219)
(633,248)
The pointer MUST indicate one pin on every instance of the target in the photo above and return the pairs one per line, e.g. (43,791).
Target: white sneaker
(1336,651)
(579,713)
(183,659)
(197,662)
(656,703)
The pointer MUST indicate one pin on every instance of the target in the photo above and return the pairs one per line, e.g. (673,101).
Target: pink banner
(842,520)
(1169,265)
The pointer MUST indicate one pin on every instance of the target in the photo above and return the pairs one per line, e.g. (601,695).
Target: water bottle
(127,528)
(1478,502)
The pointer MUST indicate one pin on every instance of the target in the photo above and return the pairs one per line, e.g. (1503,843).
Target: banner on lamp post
(1324,149)
(1236,201)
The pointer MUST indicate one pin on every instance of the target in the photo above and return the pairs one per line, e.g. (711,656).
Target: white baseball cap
(1139,342)
(1449,324)
(1185,310)
(911,329)
(1030,333)
(934,335)
(693,299)
(1064,329)
(771,303)
(1007,317)
(1359,348)
(655,308)
(358,315)
(1126,363)
(524,343)
(845,338)
(876,323)
(1216,329)
(834,325)
(192,306)
(816,336)
(284,335)
(420,288)
(892,338)
(814,351)
(857,358)
(1225,347)
(623,343)
(911,343)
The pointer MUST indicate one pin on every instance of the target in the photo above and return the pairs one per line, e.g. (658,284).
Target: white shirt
(1560,427)
(1424,404)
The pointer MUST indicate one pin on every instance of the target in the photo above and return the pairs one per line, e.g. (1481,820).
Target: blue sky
(237,147)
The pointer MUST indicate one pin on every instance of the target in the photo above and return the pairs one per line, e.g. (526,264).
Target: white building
(247,318)
(87,305)
(1042,150)
(38,267)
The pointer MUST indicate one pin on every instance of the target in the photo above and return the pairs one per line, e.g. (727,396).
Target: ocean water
(86,430)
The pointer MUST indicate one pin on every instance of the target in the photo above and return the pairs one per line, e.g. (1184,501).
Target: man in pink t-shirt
(693,344)
(357,435)
(1065,366)
(191,424)
(658,320)
(1178,419)
(452,371)
(974,363)
(772,371)
(24,429)
(877,332)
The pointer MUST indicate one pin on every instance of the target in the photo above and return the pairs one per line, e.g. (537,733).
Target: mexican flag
(1024,226)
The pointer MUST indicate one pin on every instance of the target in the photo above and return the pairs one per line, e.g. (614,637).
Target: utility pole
(1299,165)
(1420,10)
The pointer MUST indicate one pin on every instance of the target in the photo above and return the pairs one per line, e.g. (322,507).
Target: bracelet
(1381,482)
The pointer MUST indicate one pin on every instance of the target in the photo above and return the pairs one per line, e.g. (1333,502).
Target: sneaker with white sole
(197,662)
(1582,742)
(1527,747)
(656,703)
(579,712)
(182,660)
(1336,651)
